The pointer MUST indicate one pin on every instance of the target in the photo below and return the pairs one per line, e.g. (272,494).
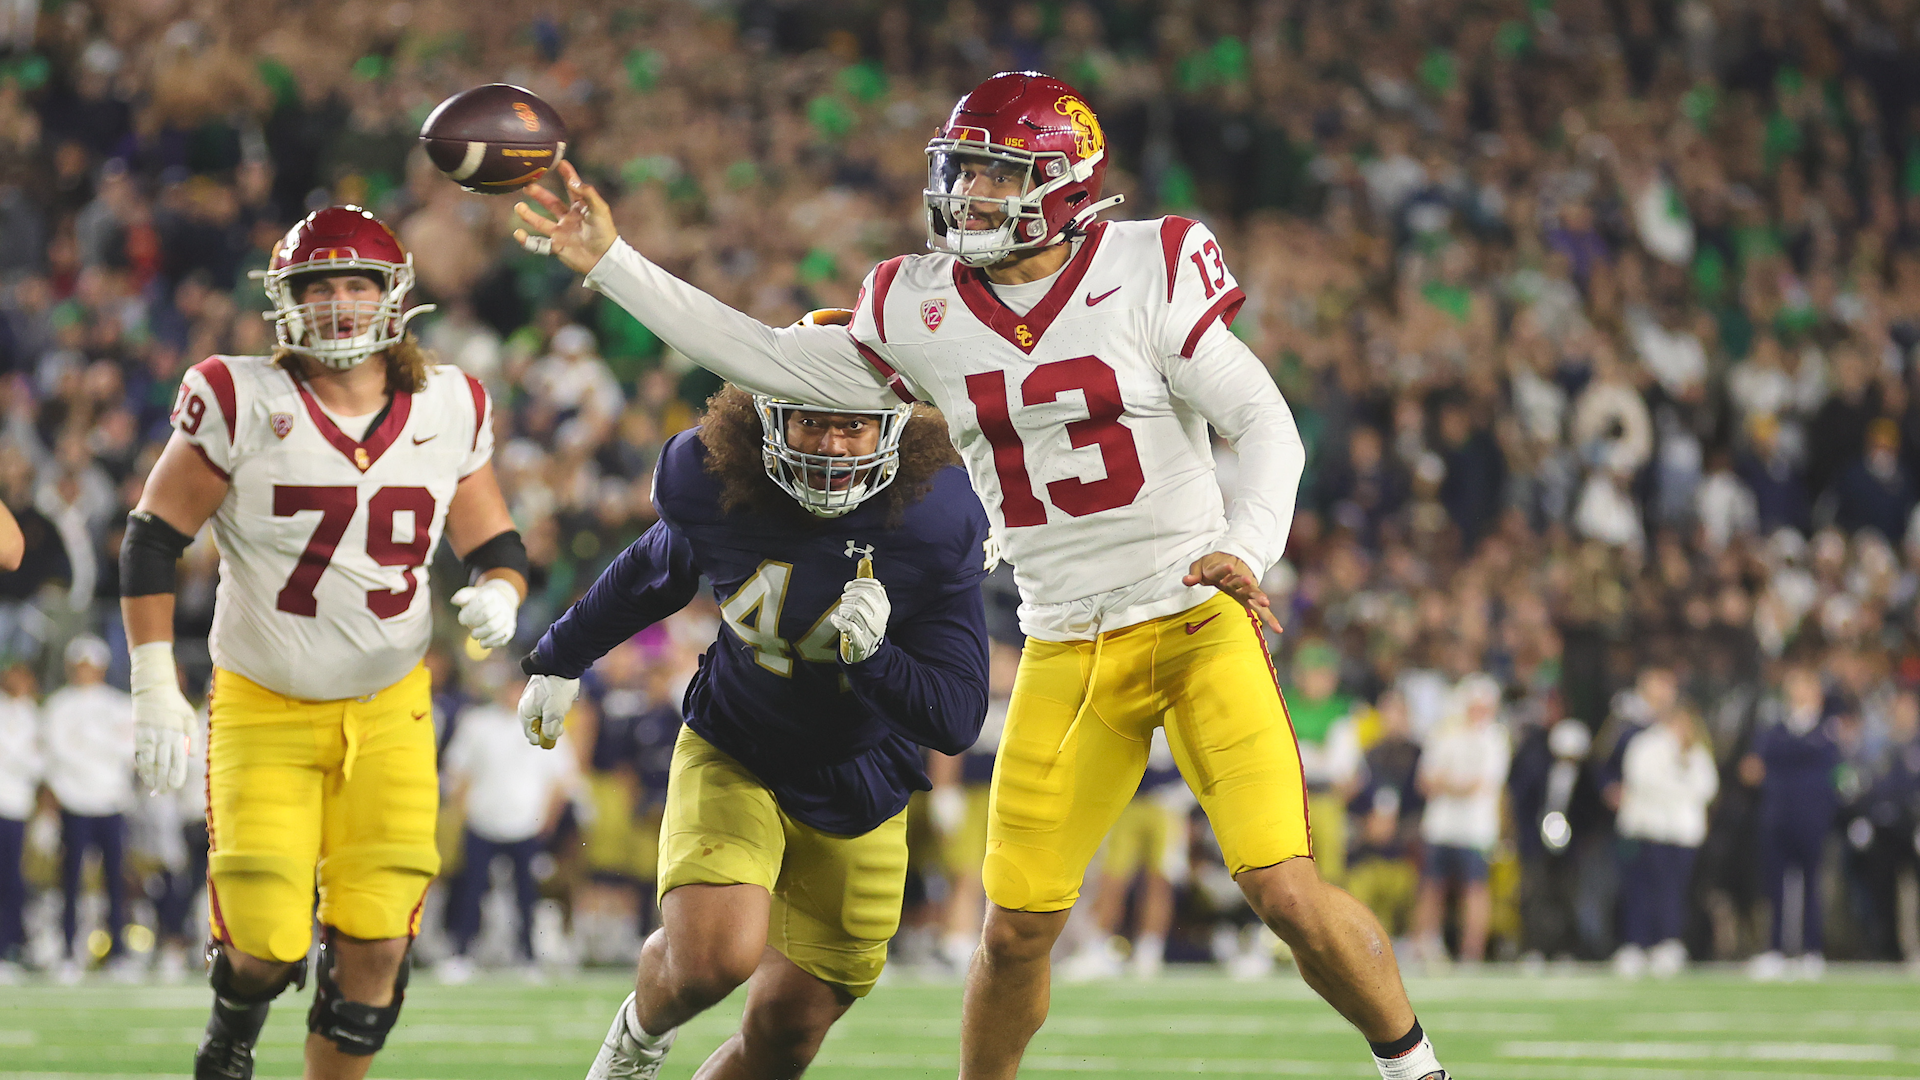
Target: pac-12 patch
(282,424)
(933,313)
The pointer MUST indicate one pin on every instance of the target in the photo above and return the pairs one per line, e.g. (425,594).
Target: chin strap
(1085,216)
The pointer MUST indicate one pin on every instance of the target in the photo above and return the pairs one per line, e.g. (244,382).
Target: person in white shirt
(511,793)
(89,741)
(20,771)
(1668,779)
(1461,773)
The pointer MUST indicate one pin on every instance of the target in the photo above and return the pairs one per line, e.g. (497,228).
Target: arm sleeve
(1229,386)
(819,365)
(205,413)
(481,444)
(649,581)
(928,679)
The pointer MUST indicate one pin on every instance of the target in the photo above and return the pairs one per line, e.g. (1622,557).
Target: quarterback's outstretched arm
(815,364)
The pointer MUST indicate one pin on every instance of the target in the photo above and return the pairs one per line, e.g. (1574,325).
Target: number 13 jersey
(1079,419)
(325,534)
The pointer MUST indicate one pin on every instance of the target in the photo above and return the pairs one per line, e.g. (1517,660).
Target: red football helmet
(1033,143)
(340,240)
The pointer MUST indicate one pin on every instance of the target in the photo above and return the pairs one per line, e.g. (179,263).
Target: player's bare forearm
(477,514)
(147,618)
(1231,576)
(13,546)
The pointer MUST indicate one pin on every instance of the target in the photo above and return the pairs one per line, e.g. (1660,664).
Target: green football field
(1585,1026)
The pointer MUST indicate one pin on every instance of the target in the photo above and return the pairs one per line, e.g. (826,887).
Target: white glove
(489,610)
(162,719)
(948,805)
(543,708)
(861,618)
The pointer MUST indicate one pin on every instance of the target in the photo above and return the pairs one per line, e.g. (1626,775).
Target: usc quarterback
(1078,363)
(329,470)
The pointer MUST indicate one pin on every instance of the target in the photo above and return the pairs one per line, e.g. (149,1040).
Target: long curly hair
(732,434)
(406,361)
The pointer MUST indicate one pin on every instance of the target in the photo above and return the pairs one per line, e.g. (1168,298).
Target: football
(494,138)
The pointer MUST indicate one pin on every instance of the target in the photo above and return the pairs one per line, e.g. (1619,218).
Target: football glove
(490,611)
(861,615)
(162,719)
(544,705)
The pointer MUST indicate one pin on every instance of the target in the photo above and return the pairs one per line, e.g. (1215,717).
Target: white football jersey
(1097,470)
(1082,421)
(324,537)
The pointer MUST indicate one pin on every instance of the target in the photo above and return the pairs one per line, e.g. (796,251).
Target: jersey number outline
(1208,281)
(1100,386)
(753,614)
(337,506)
(196,411)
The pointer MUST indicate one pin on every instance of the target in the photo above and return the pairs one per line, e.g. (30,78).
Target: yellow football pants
(338,794)
(1065,773)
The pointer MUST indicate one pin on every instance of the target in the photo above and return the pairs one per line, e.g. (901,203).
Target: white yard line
(1689,1051)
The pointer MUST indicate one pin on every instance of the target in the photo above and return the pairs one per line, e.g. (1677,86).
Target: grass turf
(1494,1026)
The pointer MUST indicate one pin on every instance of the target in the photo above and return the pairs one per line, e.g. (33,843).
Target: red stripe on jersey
(1225,309)
(1260,640)
(1173,235)
(214,370)
(894,382)
(1025,331)
(375,443)
(883,276)
(479,409)
(198,449)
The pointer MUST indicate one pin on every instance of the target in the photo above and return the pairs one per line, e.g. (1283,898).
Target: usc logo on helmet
(1088,139)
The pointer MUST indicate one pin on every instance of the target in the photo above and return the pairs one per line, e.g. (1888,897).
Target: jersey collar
(362,453)
(1024,332)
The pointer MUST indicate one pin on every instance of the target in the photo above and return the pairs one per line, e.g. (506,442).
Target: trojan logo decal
(1088,139)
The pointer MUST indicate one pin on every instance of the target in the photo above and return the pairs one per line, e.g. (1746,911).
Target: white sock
(1150,945)
(1415,1064)
(646,1039)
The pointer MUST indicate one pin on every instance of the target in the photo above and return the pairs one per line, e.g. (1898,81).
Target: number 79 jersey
(1078,420)
(324,537)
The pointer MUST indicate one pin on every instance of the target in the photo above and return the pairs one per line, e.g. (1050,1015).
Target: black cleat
(226,1051)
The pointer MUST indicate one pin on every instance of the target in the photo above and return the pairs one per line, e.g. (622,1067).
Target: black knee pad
(220,977)
(357,1030)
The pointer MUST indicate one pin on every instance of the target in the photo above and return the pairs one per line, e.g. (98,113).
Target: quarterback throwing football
(1078,363)
(329,470)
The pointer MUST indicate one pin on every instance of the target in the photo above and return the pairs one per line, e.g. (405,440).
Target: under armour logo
(856,551)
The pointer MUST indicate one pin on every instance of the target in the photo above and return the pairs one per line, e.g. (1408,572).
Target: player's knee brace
(356,1029)
(220,976)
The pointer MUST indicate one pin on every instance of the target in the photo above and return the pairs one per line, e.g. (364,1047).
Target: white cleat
(623,1056)
(1767,967)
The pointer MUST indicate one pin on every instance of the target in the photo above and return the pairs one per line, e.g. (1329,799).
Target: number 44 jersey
(1081,407)
(325,533)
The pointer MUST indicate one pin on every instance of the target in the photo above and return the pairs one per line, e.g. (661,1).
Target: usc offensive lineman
(1078,363)
(329,470)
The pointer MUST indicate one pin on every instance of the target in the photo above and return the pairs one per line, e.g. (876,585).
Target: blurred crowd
(1598,318)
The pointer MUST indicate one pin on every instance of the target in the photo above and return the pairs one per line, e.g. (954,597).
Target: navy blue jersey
(839,744)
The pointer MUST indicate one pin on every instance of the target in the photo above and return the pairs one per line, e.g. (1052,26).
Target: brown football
(494,138)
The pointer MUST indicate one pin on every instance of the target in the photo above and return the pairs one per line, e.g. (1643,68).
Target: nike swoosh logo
(417,440)
(419,715)
(1092,299)
(1193,626)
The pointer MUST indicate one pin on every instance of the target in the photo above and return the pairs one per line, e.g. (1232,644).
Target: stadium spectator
(20,770)
(1667,778)
(1792,763)
(1461,772)
(511,795)
(88,736)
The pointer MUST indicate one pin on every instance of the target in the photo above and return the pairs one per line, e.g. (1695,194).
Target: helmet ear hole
(1075,198)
